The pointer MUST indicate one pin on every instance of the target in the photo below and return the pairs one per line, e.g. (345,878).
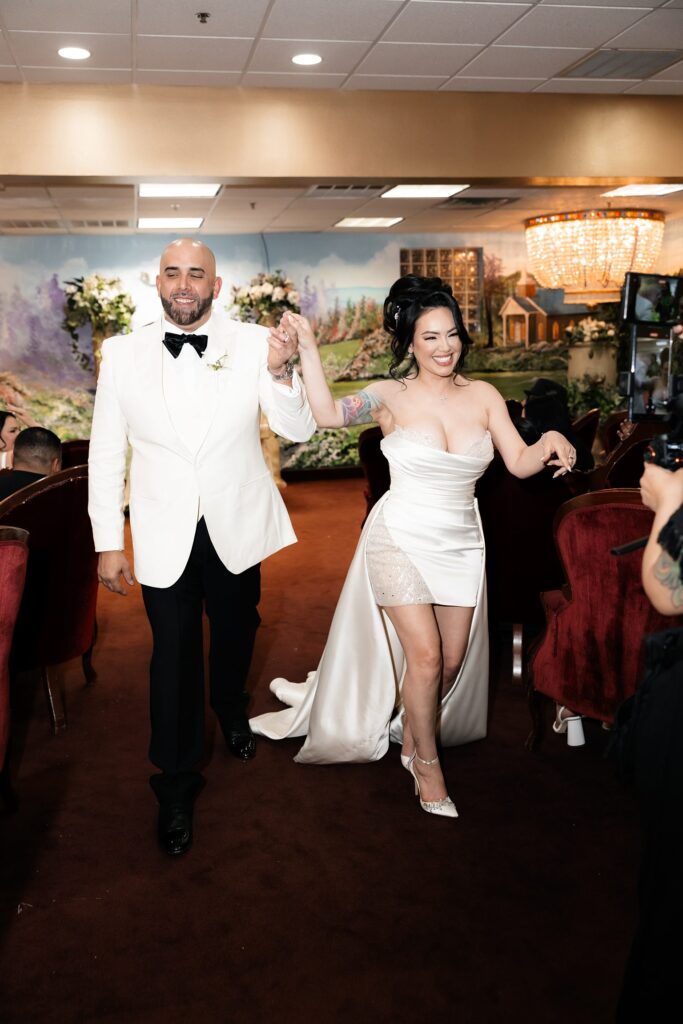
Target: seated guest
(545,409)
(9,428)
(37,453)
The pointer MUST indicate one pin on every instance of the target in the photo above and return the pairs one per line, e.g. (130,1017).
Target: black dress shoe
(176,794)
(175,829)
(240,739)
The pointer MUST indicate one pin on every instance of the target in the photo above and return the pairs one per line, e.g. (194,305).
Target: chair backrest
(13,559)
(521,559)
(375,465)
(75,453)
(57,616)
(626,468)
(608,432)
(586,426)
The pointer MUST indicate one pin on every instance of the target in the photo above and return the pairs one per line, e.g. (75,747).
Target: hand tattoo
(358,408)
(668,573)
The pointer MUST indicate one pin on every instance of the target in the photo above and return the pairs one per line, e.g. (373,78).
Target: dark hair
(407,300)
(36,444)
(4,416)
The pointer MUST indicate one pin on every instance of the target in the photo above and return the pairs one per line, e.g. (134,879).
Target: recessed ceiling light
(368,222)
(74,53)
(307,58)
(152,223)
(158,190)
(423,191)
(644,190)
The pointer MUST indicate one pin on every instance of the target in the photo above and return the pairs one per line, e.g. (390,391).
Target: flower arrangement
(100,302)
(590,331)
(265,298)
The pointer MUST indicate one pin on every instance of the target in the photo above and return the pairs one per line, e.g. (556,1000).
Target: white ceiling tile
(10,74)
(39,49)
(329,19)
(174,207)
(674,73)
(6,58)
(179,17)
(146,76)
(416,59)
(408,83)
(19,197)
(276,55)
(93,195)
(89,76)
(588,85)
(657,88)
(656,31)
(189,53)
(230,195)
(67,15)
(465,84)
(582,26)
(518,61)
(268,80)
(436,22)
(644,5)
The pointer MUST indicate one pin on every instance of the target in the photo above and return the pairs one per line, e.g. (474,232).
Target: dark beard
(186,317)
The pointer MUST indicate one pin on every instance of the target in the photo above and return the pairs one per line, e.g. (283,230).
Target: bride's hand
(554,443)
(299,326)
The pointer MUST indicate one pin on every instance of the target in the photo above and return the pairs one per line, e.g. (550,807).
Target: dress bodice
(423,471)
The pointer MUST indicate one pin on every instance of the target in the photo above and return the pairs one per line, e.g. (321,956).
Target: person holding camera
(656,761)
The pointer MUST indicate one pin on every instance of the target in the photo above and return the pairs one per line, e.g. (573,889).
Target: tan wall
(118,132)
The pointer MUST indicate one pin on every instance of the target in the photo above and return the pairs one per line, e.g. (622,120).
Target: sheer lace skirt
(393,577)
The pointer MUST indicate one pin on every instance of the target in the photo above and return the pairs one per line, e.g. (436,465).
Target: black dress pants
(177,666)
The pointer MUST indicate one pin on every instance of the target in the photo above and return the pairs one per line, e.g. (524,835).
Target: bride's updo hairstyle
(407,300)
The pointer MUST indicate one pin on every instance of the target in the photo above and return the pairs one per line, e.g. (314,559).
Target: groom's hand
(110,566)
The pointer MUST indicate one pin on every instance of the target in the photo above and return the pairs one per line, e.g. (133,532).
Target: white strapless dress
(422,543)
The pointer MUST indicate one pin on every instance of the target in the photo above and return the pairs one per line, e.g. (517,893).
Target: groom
(185,392)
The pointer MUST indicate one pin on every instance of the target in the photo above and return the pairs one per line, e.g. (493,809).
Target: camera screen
(653,299)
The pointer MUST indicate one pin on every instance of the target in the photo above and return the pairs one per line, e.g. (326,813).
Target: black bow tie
(175,342)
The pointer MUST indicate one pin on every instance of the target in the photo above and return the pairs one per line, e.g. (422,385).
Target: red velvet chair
(521,559)
(13,559)
(57,616)
(590,657)
(75,453)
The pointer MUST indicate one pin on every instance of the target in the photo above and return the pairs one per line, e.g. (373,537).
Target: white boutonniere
(220,364)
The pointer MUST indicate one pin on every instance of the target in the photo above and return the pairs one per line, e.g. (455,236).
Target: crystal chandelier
(587,252)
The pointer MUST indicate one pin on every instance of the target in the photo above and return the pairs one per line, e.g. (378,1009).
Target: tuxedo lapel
(150,378)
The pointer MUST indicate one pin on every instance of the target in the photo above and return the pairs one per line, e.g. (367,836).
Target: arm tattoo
(358,408)
(668,573)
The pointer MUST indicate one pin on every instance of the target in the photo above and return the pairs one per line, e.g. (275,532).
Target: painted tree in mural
(494,295)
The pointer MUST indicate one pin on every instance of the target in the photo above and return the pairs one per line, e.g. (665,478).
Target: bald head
(187,282)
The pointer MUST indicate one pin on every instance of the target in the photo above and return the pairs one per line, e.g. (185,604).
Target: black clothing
(14,479)
(177,666)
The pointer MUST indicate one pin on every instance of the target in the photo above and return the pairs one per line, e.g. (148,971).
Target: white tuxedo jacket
(244,513)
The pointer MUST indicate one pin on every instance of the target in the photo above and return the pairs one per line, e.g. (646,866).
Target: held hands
(111,565)
(660,488)
(554,443)
(298,325)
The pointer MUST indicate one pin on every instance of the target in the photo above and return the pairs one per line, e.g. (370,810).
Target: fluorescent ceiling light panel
(644,190)
(157,190)
(368,222)
(152,223)
(307,59)
(74,53)
(423,191)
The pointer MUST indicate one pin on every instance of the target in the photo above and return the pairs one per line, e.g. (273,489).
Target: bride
(410,627)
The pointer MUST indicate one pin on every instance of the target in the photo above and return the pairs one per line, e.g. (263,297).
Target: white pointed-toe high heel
(444,807)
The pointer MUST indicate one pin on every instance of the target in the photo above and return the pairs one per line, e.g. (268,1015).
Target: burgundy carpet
(312,893)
